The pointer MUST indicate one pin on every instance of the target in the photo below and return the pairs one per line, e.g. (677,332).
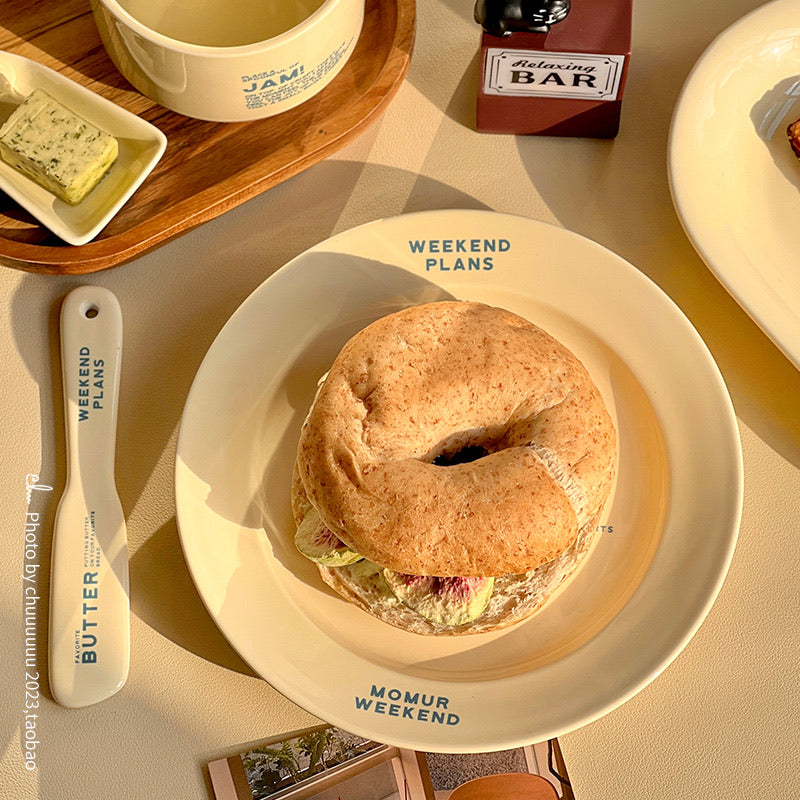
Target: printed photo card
(328,763)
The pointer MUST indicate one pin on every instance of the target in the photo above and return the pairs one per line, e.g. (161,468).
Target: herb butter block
(56,148)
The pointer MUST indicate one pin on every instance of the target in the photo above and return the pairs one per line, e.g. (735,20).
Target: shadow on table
(158,571)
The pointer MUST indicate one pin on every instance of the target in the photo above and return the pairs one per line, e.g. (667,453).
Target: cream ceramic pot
(229,60)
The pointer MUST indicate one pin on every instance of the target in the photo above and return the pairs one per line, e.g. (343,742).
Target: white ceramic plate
(141,145)
(649,581)
(737,192)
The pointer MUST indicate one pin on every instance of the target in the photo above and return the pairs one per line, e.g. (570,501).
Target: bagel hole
(468,453)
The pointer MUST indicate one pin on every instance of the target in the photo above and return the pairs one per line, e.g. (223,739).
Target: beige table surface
(720,722)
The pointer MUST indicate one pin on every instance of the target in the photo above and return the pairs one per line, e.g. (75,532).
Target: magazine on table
(328,763)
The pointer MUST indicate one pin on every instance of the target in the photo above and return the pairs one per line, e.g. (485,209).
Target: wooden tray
(208,167)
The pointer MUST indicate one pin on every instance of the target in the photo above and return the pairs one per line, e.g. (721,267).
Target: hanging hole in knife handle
(91,311)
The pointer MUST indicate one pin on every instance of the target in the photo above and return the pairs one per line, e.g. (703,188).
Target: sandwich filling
(449,601)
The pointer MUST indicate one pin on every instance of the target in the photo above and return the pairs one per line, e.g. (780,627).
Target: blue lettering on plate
(457,254)
(417,706)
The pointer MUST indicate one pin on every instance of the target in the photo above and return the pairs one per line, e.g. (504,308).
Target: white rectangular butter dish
(141,145)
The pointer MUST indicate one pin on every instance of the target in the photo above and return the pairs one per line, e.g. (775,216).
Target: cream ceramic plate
(654,572)
(141,145)
(736,190)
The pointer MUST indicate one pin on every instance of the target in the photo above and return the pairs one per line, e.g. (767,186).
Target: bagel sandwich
(453,469)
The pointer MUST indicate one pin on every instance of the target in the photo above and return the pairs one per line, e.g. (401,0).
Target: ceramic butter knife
(89,640)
